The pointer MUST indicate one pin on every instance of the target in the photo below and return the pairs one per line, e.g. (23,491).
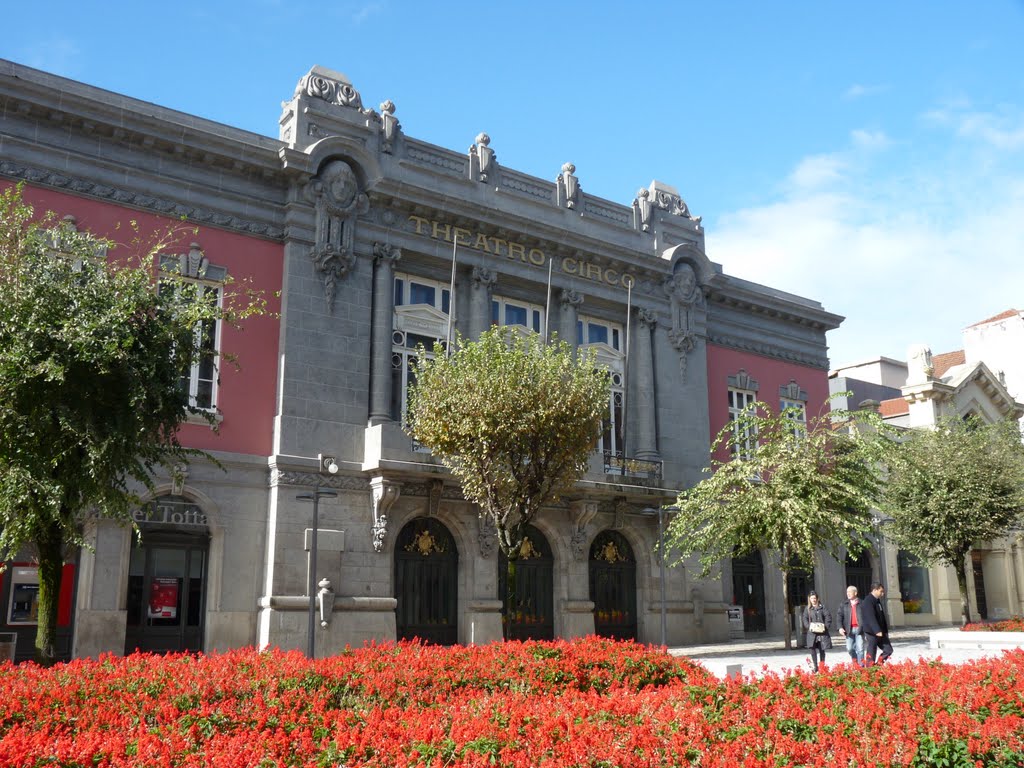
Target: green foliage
(91,358)
(801,490)
(513,418)
(955,485)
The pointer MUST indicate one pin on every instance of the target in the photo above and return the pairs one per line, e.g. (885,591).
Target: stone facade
(357,224)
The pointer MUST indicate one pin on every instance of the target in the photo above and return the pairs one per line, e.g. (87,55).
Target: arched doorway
(167,574)
(748,590)
(613,586)
(858,573)
(800,584)
(426,583)
(532,616)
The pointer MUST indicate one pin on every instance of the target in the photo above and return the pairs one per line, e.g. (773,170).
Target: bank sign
(510,249)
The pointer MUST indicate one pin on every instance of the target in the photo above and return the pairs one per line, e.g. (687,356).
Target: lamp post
(328,465)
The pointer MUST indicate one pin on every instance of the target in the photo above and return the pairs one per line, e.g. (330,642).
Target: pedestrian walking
(875,626)
(849,625)
(817,623)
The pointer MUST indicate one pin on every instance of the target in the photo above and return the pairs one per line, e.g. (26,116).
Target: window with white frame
(742,396)
(420,319)
(516,313)
(605,339)
(793,407)
(200,381)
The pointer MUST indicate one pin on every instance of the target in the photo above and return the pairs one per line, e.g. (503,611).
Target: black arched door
(613,586)
(858,573)
(748,590)
(426,583)
(532,615)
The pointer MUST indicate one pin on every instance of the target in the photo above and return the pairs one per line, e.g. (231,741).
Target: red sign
(163,598)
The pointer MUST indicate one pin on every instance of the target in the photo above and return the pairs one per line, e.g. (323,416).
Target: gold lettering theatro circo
(510,249)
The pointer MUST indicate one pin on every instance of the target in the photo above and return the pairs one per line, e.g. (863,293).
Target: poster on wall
(163,598)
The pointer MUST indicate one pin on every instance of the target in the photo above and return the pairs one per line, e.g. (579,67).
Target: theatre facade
(368,243)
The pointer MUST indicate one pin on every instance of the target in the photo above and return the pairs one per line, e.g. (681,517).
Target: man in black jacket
(875,626)
(849,625)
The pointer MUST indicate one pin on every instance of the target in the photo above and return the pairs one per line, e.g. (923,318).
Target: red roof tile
(895,407)
(1000,316)
(946,360)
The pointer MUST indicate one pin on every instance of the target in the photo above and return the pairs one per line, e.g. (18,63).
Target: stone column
(646,436)
(384,258)
(568,316)
(480,301)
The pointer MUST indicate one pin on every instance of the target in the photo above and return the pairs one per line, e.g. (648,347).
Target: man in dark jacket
(849,625)
(874,625)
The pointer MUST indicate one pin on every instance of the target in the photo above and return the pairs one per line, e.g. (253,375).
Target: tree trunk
(510,595)
(787,630)
(961,581)
(51,563)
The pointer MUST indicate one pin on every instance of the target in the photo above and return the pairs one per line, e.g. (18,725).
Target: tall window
(793,404)
(742,396)
(516,313)
(421,318)
(744,439)
(606,339)
(199,382)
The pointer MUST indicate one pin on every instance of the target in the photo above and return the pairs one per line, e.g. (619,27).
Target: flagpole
(547,305)
(625,370)
(451,302)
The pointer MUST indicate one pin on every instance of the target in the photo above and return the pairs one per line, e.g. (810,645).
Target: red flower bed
(1016,624)
(591,703)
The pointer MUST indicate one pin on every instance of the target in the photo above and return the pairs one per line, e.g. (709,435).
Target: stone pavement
(768,654)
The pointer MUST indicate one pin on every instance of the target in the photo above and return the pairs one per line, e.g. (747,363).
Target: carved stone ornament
(386,252)
(686,299)
(178,478)
(920,369)
(338,201)
(384,494)
(193,264)
(434,497)
(581,512)
(571,297)
(648,318)
(642,210)
(568,187)
(389,126)
(481,158)
(332,87)
(487,535)
(484,278)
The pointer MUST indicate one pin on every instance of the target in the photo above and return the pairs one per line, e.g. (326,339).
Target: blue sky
(868,155)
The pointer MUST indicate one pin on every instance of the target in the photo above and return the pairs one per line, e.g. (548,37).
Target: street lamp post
(328,465)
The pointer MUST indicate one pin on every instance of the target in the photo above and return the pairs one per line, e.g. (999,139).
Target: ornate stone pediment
(333,87)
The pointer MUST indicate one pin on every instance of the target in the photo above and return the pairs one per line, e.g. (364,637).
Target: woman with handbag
(817,623)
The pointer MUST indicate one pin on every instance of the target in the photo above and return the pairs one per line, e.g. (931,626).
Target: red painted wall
(770,374)
(246,395)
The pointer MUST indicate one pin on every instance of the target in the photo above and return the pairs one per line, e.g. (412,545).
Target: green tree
(91,358)
(514,419)
(953,486)
(794,488)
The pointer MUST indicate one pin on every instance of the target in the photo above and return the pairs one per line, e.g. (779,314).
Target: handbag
(817,627)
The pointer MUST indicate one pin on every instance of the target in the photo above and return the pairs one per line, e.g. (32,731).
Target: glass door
(166,587)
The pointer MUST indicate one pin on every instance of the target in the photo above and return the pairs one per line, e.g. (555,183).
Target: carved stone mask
(340,183)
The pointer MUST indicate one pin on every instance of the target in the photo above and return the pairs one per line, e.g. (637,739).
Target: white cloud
(859,90)
(870,140)
(908,254)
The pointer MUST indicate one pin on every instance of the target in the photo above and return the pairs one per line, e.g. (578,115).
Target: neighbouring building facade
(355,226)
(982,380)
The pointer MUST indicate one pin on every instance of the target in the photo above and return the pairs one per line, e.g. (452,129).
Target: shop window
(914,584)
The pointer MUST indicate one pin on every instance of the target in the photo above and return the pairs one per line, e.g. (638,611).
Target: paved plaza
(767,653)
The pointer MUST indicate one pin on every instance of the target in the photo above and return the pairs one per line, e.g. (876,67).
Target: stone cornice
(769,350)
(159,205)
(739,294)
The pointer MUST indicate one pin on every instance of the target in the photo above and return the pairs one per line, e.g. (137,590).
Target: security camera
(328,464)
